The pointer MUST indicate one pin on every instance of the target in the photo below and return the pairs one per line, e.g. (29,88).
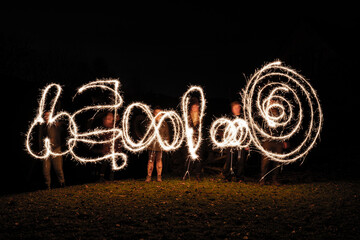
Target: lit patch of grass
(176,209)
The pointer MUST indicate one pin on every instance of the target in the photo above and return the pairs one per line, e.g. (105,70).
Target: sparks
(93,137)
(39,119)
(193,142)
(76,136)
(278,88)
(90,137)
(272,88)
(235,133)
(152,131)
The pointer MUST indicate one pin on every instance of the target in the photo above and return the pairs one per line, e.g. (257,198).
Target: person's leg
(278,148)
(159,165)
(276,171)
(264,168)
(197,165)
(240,165)
(57,163)
(264,163)
(226,170)
(150,165)
(46,172)
(111,173)
(102,171)
(200,162)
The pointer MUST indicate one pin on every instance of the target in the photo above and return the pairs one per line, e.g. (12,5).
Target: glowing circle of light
(152,133)
(278,88)
(235,133)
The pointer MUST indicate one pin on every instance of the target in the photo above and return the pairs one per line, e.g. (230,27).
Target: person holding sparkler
(52,131)
(272,146)
(108,123)
(155,151)
(235,158)
(194,121)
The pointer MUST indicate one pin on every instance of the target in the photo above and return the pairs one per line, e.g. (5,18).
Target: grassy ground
(176,209)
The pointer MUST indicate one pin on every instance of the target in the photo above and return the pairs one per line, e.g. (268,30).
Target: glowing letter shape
(235,134)
(152,132)
(40,120)
(193,143)
(88,137)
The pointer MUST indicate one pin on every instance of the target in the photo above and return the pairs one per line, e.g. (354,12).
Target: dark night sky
(162,50)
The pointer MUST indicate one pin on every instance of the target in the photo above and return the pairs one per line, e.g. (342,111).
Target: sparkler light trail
(153,128)
(92,137)
(276,88)
(193,142)
(39,119)
(273,88)
(235,133)
(76,137)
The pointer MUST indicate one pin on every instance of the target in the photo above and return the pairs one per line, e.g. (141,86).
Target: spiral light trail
(276,88)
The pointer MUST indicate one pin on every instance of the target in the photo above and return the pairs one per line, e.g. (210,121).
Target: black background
(158,51)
